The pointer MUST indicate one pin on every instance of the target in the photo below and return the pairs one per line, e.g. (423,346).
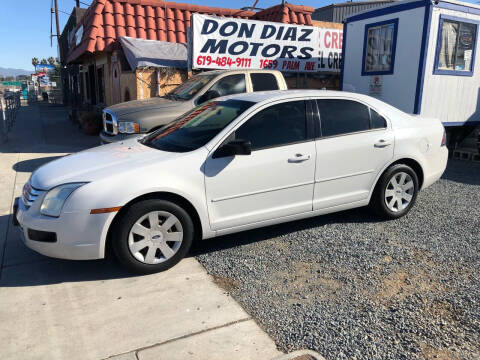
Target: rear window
(264,81)
(197,127)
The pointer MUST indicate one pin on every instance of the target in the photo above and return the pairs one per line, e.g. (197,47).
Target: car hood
(97,163)
(134,106)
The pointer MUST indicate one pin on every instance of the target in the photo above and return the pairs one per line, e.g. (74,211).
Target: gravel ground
(352,287)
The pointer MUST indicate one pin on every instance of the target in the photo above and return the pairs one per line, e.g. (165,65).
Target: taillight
(444,138)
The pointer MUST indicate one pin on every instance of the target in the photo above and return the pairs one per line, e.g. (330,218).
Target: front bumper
(108,139)
(80,235)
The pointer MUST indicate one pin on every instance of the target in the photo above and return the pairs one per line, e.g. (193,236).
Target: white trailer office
(417,55)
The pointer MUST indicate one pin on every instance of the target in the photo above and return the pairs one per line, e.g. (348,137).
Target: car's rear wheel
(396,192)
(152,236)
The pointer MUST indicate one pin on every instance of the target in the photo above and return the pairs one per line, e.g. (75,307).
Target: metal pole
(4,119)
(77,3)
(57,22)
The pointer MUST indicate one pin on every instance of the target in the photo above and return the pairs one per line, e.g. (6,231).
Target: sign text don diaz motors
(249,44)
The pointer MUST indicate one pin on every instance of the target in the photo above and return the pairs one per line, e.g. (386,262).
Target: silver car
(131,118)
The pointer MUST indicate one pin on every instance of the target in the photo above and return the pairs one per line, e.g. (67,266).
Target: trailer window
(379,47)
(455,47)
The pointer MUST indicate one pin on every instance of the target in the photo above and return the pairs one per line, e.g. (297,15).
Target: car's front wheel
(152,236)
(396,192)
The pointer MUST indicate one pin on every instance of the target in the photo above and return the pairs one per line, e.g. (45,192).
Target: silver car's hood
(134,106)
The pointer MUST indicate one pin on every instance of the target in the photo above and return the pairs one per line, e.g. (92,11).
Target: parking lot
(346,285)
(352,287)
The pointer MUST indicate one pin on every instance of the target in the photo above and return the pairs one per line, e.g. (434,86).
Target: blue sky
(25,25)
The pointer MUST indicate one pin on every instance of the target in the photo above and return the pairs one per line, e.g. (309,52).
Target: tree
(34,62)
(51,60)
(43,62)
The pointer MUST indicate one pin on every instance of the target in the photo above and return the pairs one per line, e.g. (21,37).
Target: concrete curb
(302,355)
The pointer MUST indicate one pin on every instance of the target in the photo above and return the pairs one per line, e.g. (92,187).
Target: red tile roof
(288,14)
(106,20)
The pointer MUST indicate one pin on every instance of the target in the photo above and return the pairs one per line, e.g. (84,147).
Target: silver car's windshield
(190,88)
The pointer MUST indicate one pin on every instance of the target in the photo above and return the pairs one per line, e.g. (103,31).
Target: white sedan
(232,164)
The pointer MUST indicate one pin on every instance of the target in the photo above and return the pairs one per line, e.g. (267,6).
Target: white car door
(355,144)
(275,180)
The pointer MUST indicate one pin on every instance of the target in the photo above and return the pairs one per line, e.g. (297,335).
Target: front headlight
(53,202)
(128,127)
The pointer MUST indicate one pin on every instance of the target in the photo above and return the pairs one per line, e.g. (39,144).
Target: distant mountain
(13,72)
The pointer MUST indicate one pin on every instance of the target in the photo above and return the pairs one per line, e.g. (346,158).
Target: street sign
(11,83)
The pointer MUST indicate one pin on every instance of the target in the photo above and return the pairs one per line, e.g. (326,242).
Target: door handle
(382,143)
(299,158)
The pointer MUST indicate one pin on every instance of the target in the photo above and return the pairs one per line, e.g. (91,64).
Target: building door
(116,91)
(91,84)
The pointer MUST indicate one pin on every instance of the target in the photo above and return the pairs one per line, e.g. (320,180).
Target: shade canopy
(141,53)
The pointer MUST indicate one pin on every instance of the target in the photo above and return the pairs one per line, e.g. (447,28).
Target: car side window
(340,116)
(263,81)
(277,125)
(377,121)
(229,85)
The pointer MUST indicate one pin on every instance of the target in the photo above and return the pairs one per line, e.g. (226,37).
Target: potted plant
(91,123)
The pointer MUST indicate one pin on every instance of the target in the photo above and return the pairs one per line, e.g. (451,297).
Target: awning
(152,53)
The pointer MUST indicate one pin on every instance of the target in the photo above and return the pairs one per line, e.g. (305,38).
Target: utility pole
(58,24)
(77,2)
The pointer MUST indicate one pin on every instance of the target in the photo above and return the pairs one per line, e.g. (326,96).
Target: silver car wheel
(155,237)
(399,192)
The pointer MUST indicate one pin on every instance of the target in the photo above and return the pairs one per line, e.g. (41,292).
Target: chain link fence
(9,105)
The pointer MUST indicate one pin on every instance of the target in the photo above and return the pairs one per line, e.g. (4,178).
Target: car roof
(265,97)
(268,96)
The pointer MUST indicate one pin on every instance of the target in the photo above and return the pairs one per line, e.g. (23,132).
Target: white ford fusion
(235,163)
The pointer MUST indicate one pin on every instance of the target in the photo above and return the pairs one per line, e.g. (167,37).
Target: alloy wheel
(155,237)
(399,192)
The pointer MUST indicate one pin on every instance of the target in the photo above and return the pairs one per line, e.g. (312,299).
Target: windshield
(197,127)
(190,88)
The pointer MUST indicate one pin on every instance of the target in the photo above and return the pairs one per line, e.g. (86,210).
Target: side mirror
(232,148)
(209,95)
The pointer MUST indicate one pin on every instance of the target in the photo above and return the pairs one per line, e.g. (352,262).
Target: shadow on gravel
(359,215)
(464,172)
(32,164)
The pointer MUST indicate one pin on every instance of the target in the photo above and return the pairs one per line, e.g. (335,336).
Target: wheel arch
(414,164)
(163,195)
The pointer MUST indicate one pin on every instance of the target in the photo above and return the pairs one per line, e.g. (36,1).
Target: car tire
(395,192)
(145,247)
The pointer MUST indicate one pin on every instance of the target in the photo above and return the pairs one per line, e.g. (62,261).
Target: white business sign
(228,43)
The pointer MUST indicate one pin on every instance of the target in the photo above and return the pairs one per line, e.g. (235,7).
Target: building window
(455,46)
(379,47)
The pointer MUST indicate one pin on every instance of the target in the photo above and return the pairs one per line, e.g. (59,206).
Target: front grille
(29,195)
(110,126)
